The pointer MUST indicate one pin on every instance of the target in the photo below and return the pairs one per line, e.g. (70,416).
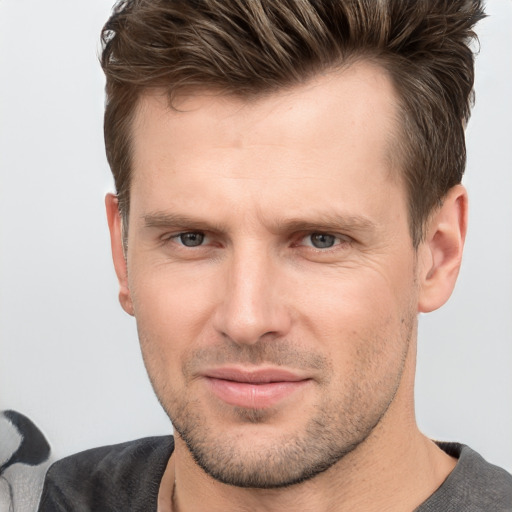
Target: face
(271,272)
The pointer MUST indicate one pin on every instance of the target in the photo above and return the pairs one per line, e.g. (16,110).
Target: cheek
(365,332)
(360,315)
(172,310)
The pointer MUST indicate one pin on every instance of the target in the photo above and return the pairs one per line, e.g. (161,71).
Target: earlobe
(118,256)
(441,252)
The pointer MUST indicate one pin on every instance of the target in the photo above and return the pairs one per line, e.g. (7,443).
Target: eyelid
(340,239)
(175,237)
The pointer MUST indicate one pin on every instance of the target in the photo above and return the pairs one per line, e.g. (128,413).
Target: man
(288,200)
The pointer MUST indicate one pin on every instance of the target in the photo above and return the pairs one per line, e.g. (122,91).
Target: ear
(116,242)
(441,251)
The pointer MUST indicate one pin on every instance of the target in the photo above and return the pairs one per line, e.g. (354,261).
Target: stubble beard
(335,427)
(282,462)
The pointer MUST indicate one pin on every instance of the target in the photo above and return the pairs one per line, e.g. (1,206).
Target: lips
(254,389)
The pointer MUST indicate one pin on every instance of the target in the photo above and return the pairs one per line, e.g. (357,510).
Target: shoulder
(474,485)
(105,478)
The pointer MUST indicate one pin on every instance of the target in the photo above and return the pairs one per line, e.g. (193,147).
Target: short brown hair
(250,47)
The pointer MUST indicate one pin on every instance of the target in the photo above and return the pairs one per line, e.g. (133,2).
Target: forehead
(355,96)
(338,130)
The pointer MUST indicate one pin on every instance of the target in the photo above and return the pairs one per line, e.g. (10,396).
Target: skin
(258,179)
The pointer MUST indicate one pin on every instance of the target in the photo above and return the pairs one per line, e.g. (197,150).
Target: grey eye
(191,239)
(322,240)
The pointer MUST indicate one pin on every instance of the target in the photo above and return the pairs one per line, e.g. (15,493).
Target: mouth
(253,389)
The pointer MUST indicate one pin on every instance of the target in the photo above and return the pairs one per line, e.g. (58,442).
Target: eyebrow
(176,220)
(325,221)
(319,221)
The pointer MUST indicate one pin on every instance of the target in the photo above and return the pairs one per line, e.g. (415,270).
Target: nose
(251,304)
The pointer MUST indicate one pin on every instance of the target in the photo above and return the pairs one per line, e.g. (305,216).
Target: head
(287,177)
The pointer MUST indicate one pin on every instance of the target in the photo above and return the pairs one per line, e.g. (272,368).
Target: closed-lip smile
(253,388)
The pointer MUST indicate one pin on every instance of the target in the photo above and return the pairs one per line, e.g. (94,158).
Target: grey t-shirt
(473,486)
(126,477)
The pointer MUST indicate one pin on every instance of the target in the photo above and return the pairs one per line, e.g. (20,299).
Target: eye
(321,240)
(190,239)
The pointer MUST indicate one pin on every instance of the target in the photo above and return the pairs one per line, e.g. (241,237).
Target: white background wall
(69,356)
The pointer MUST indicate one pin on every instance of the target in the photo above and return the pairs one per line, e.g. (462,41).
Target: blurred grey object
(24,459)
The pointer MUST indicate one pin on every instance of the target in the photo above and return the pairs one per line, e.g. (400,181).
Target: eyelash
(177,238)
(339,240)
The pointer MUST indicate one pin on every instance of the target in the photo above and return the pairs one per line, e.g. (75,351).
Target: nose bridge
(251,307)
